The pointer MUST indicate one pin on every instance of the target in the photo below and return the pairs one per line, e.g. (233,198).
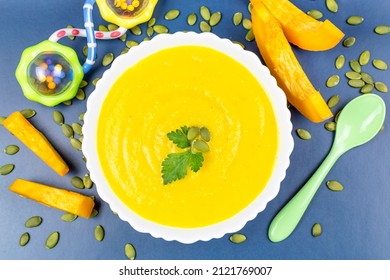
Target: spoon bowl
(359,121)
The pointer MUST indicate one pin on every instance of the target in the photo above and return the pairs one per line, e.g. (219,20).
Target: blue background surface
(356,223)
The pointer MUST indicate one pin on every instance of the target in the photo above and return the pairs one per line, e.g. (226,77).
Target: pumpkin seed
(52,240)
(94,82)
(340,61)
(2,118)
(85,51)
(24,239)
(69,217)
(247,23)
(28,113)
(379,64)
(367,88)
(364,58)
(75,143)
(71,37)
(172,14)
(239,43)
(58,117)
(332,6)
(215,18)
(367,78)
(108,58)
(67,130)
(152,22)
(77,128)
(192,133)
(356,83)
(83,84)
(303,134)
(237,238)
(380,87)
(125,50)
(130,251)
(159,29)
(334,185)
(33,221)
(6,169)
(112,27)
(102,28)
(131,43)
(204,26)
(81,116)
(330,126)
(150,31)
(336,117)
(333,81)
(67,102)
(77,182)
(205,13)
(94,213)
(99,233)
(316,14)
(237,18)
(11,150)
(205,134)
(191,19)
(249,7)
(355,66)
(136,30)
(382,29)
(353,75)
(316,230)
(87,181)
(249,36)
(201,146)
(80,95)
(355,20)
(349,42)
(333,101)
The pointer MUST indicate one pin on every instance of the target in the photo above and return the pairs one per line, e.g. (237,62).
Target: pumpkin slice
(68,201)
(301,29)
(22,129)
(284,66)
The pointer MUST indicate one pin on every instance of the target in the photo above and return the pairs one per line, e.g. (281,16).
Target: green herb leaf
(179,137)
(175,166)
(196,161)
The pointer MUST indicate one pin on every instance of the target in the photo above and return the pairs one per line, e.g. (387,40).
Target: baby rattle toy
(50,73)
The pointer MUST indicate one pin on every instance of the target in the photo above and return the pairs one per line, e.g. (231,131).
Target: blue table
(355,222)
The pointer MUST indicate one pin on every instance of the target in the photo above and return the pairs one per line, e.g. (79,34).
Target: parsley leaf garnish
(179,137)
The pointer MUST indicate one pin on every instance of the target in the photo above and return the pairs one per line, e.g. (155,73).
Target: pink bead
(99,35)
(115,34)
(61,34)
(75,32)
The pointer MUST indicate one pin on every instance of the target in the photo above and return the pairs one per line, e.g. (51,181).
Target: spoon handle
(289,216)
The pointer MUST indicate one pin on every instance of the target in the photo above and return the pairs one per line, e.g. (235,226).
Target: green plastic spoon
(360,120)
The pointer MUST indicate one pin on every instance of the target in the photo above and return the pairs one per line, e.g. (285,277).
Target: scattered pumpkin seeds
(67,102)
(108,58)
(87,181)
(75,143)
(94,82)
(382,29)
(316,230)
(83,84)
(102,28)
(99,233)
(205,13)
(192,133)
(249,36)
(367,78)
(303,134)
(379,64)
(28,113)
(367,88)
(33,221)
(356,83)
(355,66)
(136,30)
(52,240)
(237,18)
(131,43)
(81,116)
(204,26)
(353,75)
(172,14)
(94,213)
(80,95)
(330,126)
(334,185)
(85,51)
(333,81)
(215,18)
(237,238)
(152,22)
(316,14)
(150,31)
(77,182)
(160,29)
(349,42)
(239,43)
(24,239)
(380,86)
(247,23)
(332,6)
(130,251)
(355,20)
(112,27)
(67,130)
(77,128)
(11,150)
(364,58)
(58,117)
(6,169)
(191,19)
(69,217)
(205,134)
(340,61)
(333,101)
(201,146)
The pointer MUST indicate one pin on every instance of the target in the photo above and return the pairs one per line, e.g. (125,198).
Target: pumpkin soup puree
(187,86)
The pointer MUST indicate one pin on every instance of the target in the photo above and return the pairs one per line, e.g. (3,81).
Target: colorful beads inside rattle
(128,8)
(50,73)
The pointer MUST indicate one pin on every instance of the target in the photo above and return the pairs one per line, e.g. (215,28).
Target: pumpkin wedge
(68,201)
(22,129)
(301,29)
(284,66)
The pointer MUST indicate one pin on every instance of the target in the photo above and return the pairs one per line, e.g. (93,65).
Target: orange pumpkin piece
(284,66)
(22,129)
(68,201)
(301,29)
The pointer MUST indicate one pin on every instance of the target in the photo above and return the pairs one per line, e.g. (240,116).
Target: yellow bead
(135,3)
(130,8)
(123,6)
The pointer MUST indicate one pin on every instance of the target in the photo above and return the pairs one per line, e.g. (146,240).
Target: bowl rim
(282,114)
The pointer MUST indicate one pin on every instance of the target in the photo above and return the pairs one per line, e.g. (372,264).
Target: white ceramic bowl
(276,97)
